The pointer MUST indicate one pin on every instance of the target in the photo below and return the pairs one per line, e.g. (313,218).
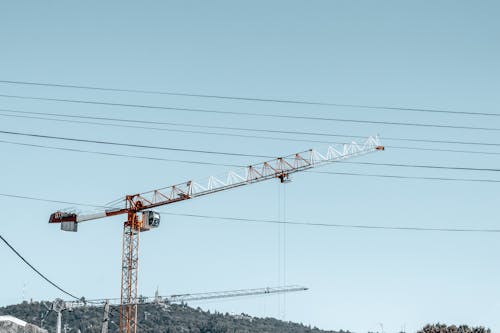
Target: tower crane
(59,306)
(141,217)
(190,297)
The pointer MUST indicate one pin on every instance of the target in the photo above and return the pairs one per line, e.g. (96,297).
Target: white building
(10,324)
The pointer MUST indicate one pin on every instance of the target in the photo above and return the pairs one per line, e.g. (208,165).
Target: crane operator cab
(150,219)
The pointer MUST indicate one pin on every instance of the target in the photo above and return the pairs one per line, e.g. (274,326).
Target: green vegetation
(158,319)
(442,328)
(155,318)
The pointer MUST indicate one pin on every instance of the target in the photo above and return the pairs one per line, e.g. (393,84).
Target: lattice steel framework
(130,271)
(279,168)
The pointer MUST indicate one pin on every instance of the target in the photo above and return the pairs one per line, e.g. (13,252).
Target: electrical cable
(259,130)
(224,153)
(423,166)
(36,270)
(445,150)
(289,222)
(116,154)
(165,129)
(133,145)
(330,225)
(251,99)
(238,165)
(51,201)
(407,177)
(279,116)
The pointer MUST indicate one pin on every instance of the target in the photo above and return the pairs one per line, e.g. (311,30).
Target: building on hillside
(10,324)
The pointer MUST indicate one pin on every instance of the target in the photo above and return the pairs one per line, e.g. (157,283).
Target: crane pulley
(141,217)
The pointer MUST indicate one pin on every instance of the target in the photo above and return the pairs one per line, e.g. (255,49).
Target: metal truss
(279,168)
(183,298)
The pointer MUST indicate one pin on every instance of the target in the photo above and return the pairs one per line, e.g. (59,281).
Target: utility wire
(279,116)
(19,114)
(50,200)
(117,154)
(240,165)
(313,224)
(408,177)
(400,165)
(133,145)
(445,150)
(36,270)
(251,99)
(223,153)
(330,225)
(165,129)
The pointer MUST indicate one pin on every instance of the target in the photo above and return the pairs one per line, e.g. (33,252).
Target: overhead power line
(250,99)
(298,223)
(132,145)
(400,165)
(22,114)
(407,177)
(50,200)
(236,165)
(445,150)
(333,225)
(165,129)
(36,270)
(279,116)
(116,154)
(217,152)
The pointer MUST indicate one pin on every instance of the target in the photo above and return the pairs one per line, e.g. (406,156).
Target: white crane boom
(279,168)
(180,298)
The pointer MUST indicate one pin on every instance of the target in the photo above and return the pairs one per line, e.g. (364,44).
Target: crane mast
(141,217)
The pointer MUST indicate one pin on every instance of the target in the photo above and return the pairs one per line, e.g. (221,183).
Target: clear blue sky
(423,54)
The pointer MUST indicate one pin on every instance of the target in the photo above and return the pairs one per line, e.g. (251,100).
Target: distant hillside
(160,319)
(442,328)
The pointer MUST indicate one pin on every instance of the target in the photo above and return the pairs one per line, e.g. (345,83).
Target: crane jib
(279,168)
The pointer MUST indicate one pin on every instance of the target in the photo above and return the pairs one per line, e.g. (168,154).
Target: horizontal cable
(400,165)
(51,201)
(331,225)
(132,145)
(222,153)
(239,165)
(137,121)
(251,99)
(166,129)
(445,150)
(315,224)
(280,116)
(407,177)
(116,154)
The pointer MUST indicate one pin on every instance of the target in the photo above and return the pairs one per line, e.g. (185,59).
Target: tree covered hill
(156,318)
(442,328)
